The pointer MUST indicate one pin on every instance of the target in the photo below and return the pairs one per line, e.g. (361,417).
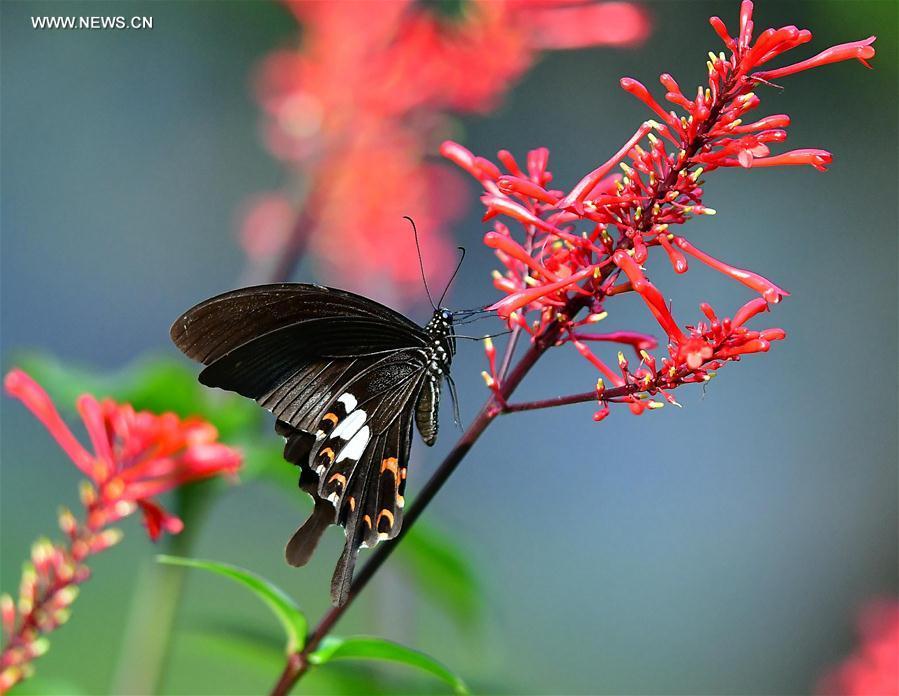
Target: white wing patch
(350,425)
(349,401)
(356,446)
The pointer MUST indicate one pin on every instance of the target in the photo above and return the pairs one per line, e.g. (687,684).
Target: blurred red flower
(873,669)
(357,109)
(136,456)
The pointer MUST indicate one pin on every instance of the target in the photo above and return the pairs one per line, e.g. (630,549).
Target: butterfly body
(345,377)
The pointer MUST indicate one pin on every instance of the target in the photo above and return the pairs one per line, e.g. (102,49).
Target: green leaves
(369,648)
(294,623)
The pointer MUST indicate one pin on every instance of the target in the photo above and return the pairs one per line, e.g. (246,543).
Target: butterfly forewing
(222,323)
(345,377)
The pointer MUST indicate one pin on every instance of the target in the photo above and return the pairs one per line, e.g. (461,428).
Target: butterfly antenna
(421,265)
(481,338)
(453,276)
(468,313)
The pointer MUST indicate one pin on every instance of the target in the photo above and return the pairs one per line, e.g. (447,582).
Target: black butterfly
(345,377)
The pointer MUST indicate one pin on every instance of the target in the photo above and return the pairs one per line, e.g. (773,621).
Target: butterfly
(345,377)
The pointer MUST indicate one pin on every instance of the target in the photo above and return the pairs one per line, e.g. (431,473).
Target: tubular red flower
(720,29)
(678,261)
(819,159)
(651,296)
(749,310)
(695,351)
(501,205)
(585,185)
(638,89)
(525,187)
(588,355)
(771,292)
(509,246)
(638,341)
(518,300)
(35,399)
(858,50)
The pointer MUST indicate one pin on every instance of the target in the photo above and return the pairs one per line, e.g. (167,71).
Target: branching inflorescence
(572,251)
(136,456)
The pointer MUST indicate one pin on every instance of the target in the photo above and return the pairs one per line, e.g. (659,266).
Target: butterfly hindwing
(372,508)
(357,457)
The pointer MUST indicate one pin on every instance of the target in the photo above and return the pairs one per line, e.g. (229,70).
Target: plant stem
(295,247)
(149,628)
(571,399)
(298,664)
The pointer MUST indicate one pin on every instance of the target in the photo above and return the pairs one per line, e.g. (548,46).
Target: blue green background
(722,548)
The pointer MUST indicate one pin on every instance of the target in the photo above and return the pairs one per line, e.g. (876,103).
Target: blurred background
(722,548)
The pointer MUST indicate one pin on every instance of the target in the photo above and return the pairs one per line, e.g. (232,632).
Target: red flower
(569,252)
(136,455)
(356,111)
(873,669)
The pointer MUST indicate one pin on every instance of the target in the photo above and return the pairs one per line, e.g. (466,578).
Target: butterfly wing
(343,375)
(355,462)
(222,323)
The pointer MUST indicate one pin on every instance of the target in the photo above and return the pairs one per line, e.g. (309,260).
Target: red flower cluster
(358,108)
(136,456)
(874,667)
(553,271)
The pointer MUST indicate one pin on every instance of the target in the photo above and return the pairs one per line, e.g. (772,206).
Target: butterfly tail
(343,574)
(305,539)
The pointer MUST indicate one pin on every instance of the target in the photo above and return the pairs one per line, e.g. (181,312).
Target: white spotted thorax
(441,343)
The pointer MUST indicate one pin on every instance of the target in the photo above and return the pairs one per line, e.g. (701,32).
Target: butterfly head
(442,341)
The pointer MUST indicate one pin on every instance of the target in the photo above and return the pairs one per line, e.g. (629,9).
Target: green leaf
(443,572)
(292,619)
(370,648)
(236,642)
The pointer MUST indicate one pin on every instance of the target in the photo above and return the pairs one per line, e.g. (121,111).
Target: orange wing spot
(403,473)
(389,464)
(340,478)
(329,453)
(388,515)
(331,417)
(367,520)
(352,501)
